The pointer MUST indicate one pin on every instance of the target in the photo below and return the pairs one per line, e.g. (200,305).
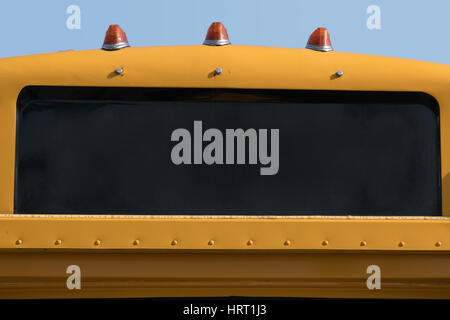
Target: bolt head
(218,71)
(339,73)
(119,71)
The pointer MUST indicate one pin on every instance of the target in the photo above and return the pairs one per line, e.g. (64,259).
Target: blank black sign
(108,151)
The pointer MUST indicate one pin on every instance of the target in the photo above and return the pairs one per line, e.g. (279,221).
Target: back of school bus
(223,170)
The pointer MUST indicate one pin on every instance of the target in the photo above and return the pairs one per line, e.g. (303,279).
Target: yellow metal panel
(193,66)
(182,273)
(414,252)
(232,233)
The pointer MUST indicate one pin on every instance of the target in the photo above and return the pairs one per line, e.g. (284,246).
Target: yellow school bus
(223,170)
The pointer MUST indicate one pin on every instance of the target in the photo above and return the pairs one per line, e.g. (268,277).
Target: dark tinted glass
(108,151)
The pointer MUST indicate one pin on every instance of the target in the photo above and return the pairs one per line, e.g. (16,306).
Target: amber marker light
(115,38)
(217,35)
(320,40)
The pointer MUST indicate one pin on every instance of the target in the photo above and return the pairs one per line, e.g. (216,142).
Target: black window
(85,150)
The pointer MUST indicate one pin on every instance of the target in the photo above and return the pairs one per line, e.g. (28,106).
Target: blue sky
(415,29)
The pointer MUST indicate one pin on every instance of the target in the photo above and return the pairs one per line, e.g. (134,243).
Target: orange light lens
(320,40)
(115,38)
(217,35)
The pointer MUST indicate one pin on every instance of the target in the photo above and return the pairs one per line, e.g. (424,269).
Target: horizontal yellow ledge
(28,273)
(213,233)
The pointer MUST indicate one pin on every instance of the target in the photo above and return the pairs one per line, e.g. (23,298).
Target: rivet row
(249,243)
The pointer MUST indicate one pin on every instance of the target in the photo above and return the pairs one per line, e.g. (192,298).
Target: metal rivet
(218,71)
(339,73)
(58,242)
(401,244)
(210,242)
(19,242)
(363,243)
(136,242)
(287,243)
(325,242)
(118,71)
(174,242)
(97,242)
(438,244)
(250,242)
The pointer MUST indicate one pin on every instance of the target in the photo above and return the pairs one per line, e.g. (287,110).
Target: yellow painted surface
(191,66)
(23,238)
(78,232)
(261,273)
